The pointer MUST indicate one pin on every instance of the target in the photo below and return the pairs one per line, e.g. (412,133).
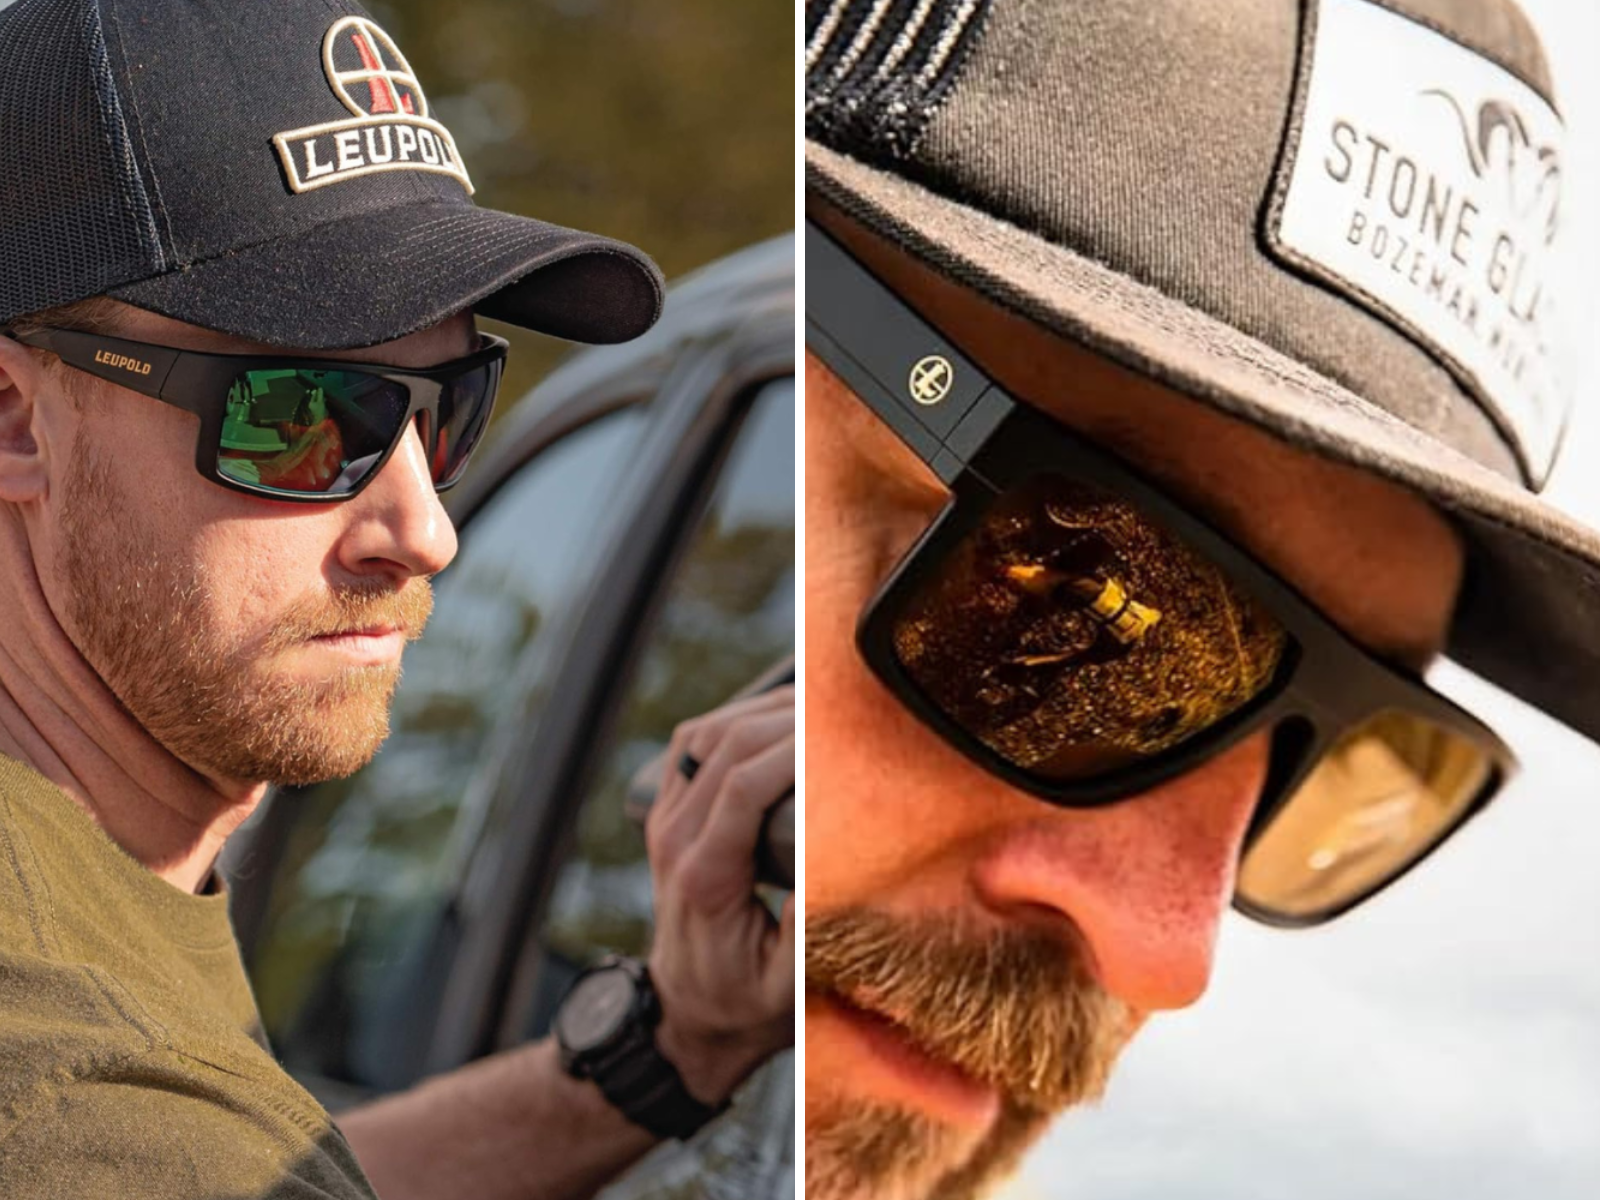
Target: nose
(398,527)
(1144,881)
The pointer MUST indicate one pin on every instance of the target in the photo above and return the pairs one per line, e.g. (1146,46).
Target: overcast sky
(1445,1041)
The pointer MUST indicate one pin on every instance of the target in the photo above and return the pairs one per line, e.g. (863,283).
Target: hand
(723,968)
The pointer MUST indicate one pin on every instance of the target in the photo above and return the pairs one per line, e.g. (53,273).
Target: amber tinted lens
(1073,635)
(1379,800)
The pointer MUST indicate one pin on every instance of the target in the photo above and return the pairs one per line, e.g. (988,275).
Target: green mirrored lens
(1072,634)
(301,431)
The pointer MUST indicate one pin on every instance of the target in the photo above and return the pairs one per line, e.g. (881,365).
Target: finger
(745,739)
(674,782)
(749,790)
(775,696)
(719,864)
(696,738)
(664,840)
(665,836)
(669,826)
(705,732)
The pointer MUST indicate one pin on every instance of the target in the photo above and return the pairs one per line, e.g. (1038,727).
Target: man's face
(256,640)
(976,959)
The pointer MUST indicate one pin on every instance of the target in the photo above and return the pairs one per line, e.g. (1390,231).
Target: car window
(728,614)
(358,932)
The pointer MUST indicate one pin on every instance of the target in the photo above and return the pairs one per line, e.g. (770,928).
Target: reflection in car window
(355,945)
(728,615)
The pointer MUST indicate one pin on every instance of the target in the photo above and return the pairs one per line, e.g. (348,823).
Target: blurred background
(1443,1041)
(666,123)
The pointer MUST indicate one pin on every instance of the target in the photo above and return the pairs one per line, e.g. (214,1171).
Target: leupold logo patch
(391,129)
(1425,184)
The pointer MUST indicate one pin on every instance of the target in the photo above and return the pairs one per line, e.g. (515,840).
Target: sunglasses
(300,429)
(1083,637)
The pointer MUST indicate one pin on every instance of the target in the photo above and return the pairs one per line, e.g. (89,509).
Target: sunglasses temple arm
(133,365)
(871,391)
(935,400)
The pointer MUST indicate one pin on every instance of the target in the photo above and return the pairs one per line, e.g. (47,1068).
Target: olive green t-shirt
(132,1062)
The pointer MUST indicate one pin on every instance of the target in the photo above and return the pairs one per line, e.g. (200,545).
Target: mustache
(348,609)
(1016,1009)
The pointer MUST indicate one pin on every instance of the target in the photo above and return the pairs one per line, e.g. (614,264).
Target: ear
(23,473)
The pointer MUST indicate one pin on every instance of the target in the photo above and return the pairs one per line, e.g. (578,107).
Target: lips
(369,645)
(891,1027)
(892,1061)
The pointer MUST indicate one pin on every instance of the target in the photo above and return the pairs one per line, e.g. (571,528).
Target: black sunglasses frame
(198,383)
(981,443)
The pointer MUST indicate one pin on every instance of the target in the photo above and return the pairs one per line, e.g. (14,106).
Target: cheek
(251,557)
(259,558)
(889,807)
(143,443)
(893,816)
(133,461)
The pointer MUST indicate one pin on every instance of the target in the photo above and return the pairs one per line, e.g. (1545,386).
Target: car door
(723,614)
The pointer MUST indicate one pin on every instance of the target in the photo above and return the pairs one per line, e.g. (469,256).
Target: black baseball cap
(272,171)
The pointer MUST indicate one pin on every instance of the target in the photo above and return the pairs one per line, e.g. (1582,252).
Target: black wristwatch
(606,1029)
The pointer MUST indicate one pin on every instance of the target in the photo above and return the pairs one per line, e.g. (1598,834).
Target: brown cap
(1338,219)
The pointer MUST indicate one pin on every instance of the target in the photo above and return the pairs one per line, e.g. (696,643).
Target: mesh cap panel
(77,219)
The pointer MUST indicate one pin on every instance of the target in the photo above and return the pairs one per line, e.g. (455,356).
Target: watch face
(596,1009)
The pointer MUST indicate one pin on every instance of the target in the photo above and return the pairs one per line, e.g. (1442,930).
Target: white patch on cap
(391,129)
(1426,185)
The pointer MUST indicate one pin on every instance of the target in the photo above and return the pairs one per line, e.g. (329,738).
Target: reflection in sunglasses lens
(1072,635)
(305,431)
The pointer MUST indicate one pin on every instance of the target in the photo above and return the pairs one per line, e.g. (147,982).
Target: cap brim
(383,275)
(1527,616)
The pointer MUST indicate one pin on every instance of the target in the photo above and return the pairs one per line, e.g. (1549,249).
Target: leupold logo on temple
(123,361)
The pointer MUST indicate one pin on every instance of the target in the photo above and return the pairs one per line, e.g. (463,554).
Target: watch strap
(630,1070)
(643,1085)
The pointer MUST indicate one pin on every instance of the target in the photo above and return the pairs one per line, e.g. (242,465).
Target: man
(1178,378)
(238,269)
